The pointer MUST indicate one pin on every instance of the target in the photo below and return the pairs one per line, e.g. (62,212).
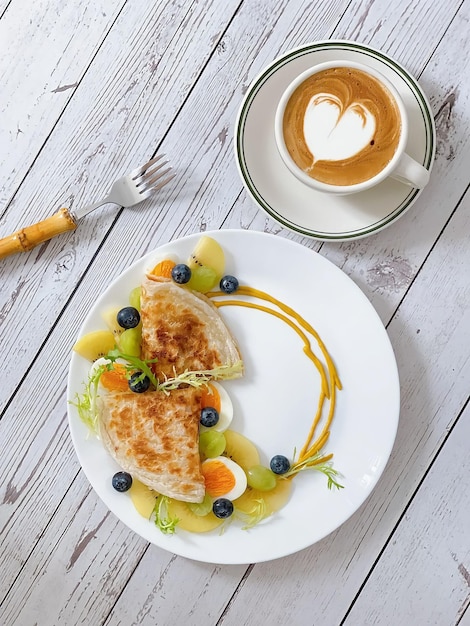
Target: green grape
(134,298)
(201,508)
(261,478)
(211,443)
(129,341)
(202,278)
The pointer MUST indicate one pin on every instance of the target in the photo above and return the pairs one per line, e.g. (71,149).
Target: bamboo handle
(29,237)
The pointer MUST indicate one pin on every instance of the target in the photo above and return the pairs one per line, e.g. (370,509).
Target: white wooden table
(87,91)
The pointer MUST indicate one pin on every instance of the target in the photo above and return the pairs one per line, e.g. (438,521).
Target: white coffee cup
(401,166)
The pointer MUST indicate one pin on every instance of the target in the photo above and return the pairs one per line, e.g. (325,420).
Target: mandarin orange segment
(163,268)
(210,397)
(115,379)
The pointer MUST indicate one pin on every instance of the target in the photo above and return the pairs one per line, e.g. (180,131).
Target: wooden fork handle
(29,237)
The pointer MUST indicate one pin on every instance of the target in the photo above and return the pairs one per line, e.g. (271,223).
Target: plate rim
(282,60)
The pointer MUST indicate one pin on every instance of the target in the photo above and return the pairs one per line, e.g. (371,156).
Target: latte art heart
(333,132)
(341,126)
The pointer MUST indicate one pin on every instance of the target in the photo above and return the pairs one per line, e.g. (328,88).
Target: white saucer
(280,194)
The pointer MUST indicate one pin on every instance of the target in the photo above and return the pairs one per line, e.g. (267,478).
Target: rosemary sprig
(315,462)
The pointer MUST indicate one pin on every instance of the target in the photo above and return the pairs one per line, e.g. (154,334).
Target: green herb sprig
(86,402)
(314,462)
(254,516)
(199,378)
(163,521)
(134,363)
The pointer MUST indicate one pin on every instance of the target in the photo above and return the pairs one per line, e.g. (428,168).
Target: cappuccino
(341,126)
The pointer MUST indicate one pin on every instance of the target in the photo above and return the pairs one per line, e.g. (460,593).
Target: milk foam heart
(340,125)
(332,133)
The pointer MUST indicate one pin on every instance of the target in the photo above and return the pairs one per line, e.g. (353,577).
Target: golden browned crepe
(155,437)
(183,330)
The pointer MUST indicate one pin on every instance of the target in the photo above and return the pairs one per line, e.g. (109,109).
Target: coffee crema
(341,126)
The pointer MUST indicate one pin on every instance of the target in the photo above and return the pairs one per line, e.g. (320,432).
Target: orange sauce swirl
(330,381)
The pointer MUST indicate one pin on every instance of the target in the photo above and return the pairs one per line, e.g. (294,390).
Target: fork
(127,191)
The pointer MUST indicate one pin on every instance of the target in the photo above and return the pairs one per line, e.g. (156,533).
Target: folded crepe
(183,330)
(155,437)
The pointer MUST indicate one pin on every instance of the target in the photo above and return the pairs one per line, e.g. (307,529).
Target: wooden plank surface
(171,76)
(419,542)
(39,80)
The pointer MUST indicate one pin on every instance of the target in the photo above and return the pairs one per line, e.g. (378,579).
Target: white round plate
(277,191)
(275,402)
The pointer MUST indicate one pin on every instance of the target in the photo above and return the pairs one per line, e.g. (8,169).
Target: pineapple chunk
(187,520)
(273,500)
(241,450)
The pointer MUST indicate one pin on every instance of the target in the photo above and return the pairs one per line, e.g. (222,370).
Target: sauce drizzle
(330,381)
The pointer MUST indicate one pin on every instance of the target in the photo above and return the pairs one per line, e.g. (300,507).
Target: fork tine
(149,180)
(148,191)
(149,174)
(141,170)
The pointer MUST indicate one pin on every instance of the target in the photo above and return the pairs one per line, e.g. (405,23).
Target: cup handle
(410,172)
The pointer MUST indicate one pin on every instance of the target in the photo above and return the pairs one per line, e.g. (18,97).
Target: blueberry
(138,382)
(209,416)
(222,508)
(128,317)
(122,481)
(229,284)
(181,273)
(279,464)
